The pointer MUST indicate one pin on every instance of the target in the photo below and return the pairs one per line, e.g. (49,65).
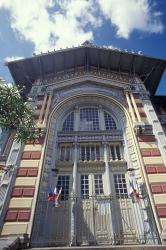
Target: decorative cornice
(92,168)
(84,137)
(123,78)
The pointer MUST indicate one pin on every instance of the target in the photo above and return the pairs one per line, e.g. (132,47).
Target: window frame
(111,124)
(120,185)
(70,121)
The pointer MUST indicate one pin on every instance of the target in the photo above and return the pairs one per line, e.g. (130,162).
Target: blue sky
(28,26)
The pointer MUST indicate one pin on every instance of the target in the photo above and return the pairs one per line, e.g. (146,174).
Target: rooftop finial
(87,44)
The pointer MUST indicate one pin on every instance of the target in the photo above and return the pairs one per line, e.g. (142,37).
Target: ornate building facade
(103,148)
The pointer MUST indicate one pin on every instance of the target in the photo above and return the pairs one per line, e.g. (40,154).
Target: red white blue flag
(132,186)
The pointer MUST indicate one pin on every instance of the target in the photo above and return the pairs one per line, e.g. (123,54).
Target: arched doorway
(87,146)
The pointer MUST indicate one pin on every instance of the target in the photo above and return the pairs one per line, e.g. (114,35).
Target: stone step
(15,243)
(127,247)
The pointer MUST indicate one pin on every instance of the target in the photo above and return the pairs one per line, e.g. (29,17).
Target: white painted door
(125,224)
(93,211)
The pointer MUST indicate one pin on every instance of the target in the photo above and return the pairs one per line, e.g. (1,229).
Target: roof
(159,100)
(26,71)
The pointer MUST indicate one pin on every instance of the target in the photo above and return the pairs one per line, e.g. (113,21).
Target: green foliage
(15,114)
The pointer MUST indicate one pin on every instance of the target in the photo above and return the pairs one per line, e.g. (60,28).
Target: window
(98,184)
(115,152)
(65,153)
(120,185)
(68,153)
(84,186)
(68,124)
(90,152)
(109,121)
(118,152)
(62,153)
(63,182)
(89,119)
(112,150)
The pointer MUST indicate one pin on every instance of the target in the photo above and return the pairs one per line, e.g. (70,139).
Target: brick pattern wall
(158,187)
(140,106)
(34,155)
(16,214)
(23,191)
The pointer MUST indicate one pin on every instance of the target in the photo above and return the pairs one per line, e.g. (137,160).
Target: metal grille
(97,220)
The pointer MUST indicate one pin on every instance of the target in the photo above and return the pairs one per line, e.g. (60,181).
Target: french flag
(132,186)
(51,196)
(57,196)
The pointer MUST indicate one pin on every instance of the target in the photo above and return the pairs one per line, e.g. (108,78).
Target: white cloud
(50,24)
(130,15)
(12,58)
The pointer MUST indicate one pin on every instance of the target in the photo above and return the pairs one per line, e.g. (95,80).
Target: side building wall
(152,143)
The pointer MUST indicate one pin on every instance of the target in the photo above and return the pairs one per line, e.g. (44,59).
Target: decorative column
(107,173)
(135,107)
(110,201)
(75,160)
(47,109)
(42,109)
(116,155)
(73,197)
(130,107)
(121,152)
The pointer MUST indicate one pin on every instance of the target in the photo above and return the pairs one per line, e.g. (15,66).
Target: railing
(94,220)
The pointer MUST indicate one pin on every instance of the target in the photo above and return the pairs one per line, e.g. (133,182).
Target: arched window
(68,124)
(109,121)
(89,119)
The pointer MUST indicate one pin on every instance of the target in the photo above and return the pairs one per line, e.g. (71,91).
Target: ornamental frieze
(84,138)
(92,72)
(115,93)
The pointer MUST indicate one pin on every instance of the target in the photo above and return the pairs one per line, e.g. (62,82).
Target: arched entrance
(87,156)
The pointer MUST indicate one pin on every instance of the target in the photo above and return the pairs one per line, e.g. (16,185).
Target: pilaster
(47,109)
(130,107)
(73,196)
(42,109)
(135,107)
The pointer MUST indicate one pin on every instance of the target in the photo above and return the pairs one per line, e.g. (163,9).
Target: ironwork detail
(133,223)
